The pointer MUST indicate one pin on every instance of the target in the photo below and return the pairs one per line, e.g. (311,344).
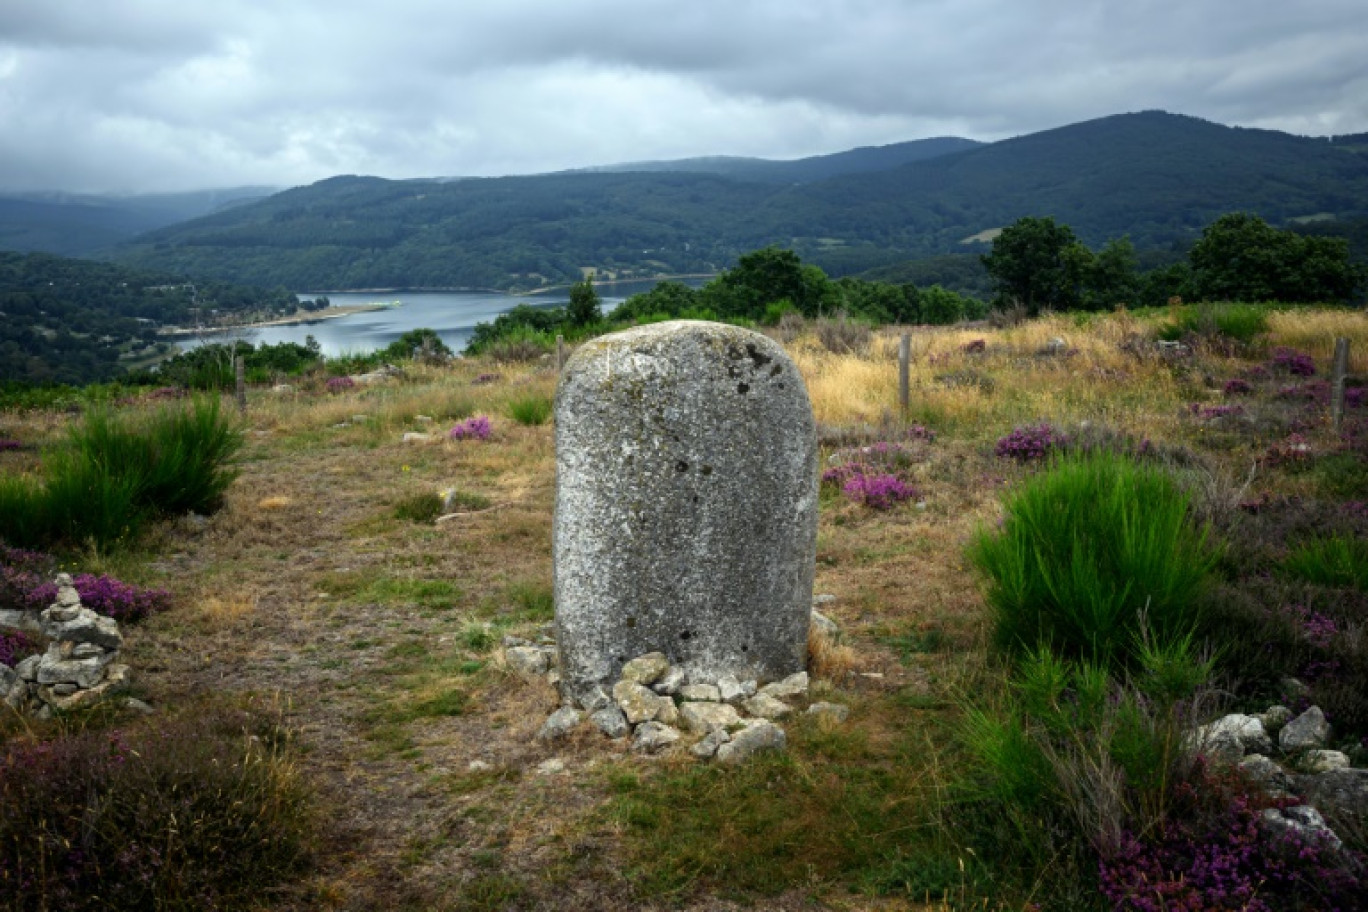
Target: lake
(453,314)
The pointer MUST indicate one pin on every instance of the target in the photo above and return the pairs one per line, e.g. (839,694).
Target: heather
(106,595)
(204,811)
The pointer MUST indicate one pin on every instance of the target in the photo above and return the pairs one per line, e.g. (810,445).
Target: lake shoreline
(512,293)
(295,319)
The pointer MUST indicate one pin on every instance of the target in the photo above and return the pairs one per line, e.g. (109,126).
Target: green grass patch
(420,508)
(1088,547)
(531,410)
(466,501)
(428,593)
(1340,561)
(119,470)
(837,805)
(1240,322)
(1342,475)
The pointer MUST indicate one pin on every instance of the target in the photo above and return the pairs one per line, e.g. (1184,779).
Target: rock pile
(659,706)
(80,665)
(1305,769)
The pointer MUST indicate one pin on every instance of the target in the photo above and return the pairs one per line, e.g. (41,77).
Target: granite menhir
(686,505)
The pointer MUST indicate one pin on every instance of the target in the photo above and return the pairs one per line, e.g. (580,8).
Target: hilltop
(1158,177)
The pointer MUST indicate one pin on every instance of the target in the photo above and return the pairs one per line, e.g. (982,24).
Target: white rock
(706,693)
(1274,718)
(732,690)
(671,682)
(551,767)
(479,766)
(528,661)
(824,626)
(715,738)
(611,722)
(1322,761)
(1306,732)
(764,706)
(836,712)
(749,741)
(652,737)
(1266,772)
(701,717)
(1303,820)
(415,437)
(795,685)
(823,598)
(595,699)
(646,669)
(561,723)
(639,703)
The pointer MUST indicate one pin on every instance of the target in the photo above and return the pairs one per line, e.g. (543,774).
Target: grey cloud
(162,94)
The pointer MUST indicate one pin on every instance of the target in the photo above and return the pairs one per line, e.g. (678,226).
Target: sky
(134,96)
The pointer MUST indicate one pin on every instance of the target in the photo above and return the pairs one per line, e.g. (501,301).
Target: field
(325,591)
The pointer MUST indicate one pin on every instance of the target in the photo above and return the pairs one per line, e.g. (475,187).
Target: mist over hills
(1155,176)
(72,224)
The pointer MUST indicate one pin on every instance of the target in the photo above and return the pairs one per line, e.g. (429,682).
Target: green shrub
(1340,561)
(422,508)
(1086,549)
(531,410)
(118,471)
(204,812)
(1240,322)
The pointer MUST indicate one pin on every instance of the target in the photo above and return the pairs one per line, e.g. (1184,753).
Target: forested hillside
(76,321)
(1157,177)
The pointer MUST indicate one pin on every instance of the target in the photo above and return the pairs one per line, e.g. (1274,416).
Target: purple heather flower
(476,428)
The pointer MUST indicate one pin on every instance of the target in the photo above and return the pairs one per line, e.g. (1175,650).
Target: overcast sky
(151,95)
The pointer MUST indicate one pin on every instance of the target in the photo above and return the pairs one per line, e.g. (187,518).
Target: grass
(1339,561)
(117,472)
(530,410)
(1090,549)
(386,633)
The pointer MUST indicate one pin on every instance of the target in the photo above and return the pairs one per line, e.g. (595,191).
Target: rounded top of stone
(674,331)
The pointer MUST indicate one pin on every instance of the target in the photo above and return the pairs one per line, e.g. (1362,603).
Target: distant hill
(1158,177)
(76,321)
(804,170)
(80,224)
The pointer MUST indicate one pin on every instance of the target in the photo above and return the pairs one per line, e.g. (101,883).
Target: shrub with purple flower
(974,347)
(485,378)
(1216,851)
(108,596)
(1257,372)
(21,572)
(1030,443)
(1291,361)
(6,444)
(340,384)
(1237,387)
(474,428)
(879,492)
(15,646)
(921,432)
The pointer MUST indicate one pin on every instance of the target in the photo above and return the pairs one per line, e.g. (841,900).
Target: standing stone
(686,505)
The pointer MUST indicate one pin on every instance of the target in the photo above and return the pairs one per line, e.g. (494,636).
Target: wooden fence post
(904,357)
(240,371)
(560,353)
(1337,383)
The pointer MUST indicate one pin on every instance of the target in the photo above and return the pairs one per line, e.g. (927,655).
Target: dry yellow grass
(1314,331)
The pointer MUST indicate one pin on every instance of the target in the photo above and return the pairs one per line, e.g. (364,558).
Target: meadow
(336,624)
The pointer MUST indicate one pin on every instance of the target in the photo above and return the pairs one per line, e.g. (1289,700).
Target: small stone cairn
(1288,757)
(659,706)
(80,666)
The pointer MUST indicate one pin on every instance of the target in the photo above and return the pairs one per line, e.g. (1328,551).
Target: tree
(1240,257)
(584,303)
(765,276)
(1038,263)
(1111,276)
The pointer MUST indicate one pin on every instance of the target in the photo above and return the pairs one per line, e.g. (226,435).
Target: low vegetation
(1073,547)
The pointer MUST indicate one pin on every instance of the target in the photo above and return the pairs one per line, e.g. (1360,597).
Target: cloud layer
(145,95)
